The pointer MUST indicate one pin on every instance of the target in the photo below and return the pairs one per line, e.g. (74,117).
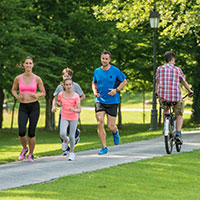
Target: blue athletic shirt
(105,80)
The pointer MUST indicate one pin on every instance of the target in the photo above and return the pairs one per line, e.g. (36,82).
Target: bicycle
(170,128)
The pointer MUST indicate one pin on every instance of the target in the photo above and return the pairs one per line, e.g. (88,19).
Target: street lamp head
(154,18)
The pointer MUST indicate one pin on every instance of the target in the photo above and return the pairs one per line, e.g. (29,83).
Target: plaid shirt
(169,77)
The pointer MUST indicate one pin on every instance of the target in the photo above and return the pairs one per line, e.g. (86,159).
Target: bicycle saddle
(169,103)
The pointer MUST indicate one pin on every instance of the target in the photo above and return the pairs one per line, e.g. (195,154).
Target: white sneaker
(65,144)
(71,156)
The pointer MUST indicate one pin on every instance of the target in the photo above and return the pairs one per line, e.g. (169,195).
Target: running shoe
(103,151)
(179,139)
(65,144)
(78,132)
(77,140)
(30,157)
(71,156)
(23,154)
(116,137)
(65,153)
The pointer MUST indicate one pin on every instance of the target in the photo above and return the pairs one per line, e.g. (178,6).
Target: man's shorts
(178,108)
(110,109)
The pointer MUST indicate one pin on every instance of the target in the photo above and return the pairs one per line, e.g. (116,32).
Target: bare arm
(120,87)
(14,88)
(186,85)
(82,97)
(41,88)
(77,109)
(94,89)
(54,108)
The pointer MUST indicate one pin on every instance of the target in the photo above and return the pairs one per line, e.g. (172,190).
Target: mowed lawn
(169,177)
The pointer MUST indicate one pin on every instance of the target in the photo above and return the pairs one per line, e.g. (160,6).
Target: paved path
(128,109)
(44,169)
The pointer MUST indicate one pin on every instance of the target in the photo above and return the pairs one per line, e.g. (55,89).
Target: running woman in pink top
(29,108)
(70,102)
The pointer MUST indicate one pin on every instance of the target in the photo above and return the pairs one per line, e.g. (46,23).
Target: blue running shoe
(77,133)
(116,137)
(77,140)
(103,151)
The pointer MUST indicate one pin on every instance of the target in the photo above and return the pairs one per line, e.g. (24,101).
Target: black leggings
(29,111)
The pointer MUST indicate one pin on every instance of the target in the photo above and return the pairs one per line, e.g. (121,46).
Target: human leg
(100,127)
(179,109)
(33,120)
(22,122)
(111,111)
(63,133)
(111,123)
(59,120)
(112,126)
(72,130)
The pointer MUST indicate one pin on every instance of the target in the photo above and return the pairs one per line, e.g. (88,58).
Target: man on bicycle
(168,89)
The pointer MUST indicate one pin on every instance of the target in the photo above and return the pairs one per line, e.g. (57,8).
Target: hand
(59,103)
(34,96)
(112,92)
(20,97)
(191,93)
(72,109)
(53,109)
(96,94)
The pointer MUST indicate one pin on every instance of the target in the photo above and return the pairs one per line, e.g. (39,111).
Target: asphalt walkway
(20,173)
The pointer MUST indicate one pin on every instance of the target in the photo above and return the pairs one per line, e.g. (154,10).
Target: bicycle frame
(170,130)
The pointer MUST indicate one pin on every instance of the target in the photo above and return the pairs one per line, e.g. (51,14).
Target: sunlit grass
(168,177)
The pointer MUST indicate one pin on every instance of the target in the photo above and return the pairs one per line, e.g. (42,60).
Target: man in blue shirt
(108,80)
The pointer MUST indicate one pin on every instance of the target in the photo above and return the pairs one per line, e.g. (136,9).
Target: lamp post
(154,21)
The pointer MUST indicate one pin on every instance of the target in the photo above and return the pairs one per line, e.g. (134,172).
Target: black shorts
(110,109)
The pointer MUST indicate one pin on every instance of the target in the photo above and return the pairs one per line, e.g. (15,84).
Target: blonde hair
(68,71)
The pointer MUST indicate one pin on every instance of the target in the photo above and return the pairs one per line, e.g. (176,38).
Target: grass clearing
(168,177)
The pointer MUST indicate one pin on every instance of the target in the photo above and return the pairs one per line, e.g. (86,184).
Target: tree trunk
(50,116)
(196,103)
(143,96)
(1,107)
(160,117)
(119,114)
(13,112)
(196,88)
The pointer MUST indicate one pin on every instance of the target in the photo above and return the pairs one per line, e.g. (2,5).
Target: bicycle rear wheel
(169,139)
(168,144)
(178,147)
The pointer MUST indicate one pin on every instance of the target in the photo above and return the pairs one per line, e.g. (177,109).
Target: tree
(179,19)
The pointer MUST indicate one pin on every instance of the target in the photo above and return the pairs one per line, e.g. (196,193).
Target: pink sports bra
(24,88)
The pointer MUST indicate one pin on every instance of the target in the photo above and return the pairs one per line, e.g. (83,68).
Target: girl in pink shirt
(70,102)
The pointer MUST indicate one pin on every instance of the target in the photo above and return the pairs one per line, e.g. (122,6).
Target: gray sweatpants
(72,129)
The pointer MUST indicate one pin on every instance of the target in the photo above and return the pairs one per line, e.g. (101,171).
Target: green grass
(168,177)
(48,143)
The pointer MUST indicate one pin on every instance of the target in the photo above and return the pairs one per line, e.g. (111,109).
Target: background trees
(179,31)
(73,33)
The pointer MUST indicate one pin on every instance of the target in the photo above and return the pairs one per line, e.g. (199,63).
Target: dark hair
(106,52)
(20,66)
(28,57)
(168,56)
(63,83)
